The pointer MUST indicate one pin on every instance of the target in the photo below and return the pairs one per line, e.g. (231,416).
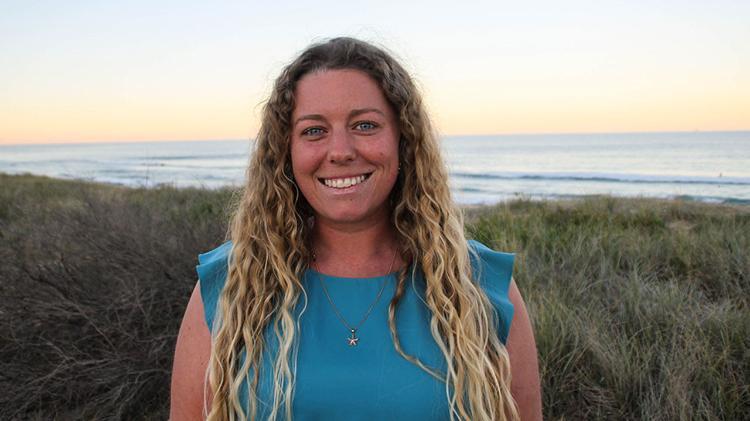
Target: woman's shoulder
(493,270)
(212,275)
(487,262)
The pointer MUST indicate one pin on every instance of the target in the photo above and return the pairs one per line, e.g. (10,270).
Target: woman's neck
(357,253)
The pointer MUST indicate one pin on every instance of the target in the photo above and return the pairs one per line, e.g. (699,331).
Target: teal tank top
(335,381)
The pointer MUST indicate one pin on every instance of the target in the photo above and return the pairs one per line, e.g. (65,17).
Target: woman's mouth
(344,182)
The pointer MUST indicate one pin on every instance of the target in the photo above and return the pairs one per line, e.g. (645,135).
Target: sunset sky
(84,71)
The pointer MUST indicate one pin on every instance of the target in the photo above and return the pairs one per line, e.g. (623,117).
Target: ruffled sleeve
(212,273)
(493,271)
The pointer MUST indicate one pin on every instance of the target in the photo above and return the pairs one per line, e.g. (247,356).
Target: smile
(342,183)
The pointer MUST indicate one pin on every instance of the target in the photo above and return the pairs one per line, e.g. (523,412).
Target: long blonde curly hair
(270,252)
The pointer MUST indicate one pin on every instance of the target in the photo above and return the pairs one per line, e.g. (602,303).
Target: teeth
(340,183)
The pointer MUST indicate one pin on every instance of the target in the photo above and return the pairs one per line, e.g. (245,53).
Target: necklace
(352,340)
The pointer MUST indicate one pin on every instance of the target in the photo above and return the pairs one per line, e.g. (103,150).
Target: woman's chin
(351,216)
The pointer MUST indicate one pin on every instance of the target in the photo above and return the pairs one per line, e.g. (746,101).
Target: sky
(104,71)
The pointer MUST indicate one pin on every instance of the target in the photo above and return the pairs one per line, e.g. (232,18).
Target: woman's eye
(312,131)
(365,126)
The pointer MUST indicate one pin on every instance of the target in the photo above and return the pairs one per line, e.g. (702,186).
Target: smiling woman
(344,147)
(347,201)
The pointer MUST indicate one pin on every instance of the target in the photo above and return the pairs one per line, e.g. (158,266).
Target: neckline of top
(326,277)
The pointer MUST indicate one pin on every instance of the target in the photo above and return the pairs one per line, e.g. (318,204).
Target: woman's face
(344,146)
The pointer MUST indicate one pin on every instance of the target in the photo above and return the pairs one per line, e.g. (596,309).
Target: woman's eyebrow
(315,117)
(359,111)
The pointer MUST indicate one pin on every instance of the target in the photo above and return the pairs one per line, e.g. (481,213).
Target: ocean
(703,166)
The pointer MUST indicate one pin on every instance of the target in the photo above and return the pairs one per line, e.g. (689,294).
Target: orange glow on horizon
(453,114)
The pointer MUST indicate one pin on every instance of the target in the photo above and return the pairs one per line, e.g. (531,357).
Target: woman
(347,205)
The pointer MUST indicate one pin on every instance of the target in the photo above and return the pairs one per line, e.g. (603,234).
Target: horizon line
(543,133)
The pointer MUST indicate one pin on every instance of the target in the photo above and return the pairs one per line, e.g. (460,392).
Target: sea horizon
(74,142)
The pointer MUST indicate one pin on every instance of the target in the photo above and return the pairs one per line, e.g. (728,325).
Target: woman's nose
(342,148)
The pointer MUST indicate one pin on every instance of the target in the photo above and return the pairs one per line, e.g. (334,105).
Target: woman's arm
(190,362)
(524,364)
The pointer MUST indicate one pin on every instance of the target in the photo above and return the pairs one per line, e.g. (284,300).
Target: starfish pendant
(353,339)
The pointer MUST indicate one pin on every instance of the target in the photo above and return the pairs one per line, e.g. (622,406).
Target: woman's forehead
(336,90)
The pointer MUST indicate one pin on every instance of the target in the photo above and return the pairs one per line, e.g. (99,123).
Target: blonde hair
(270,252)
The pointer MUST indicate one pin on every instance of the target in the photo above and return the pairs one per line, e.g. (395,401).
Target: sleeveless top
(335,381)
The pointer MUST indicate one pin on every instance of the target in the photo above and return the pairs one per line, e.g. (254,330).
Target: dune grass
(95,279)
(640,307)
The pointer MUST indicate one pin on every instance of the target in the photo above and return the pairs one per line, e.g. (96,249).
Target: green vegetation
(640,306)
(94,281)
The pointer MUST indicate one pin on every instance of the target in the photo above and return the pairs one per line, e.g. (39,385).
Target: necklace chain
(353,339)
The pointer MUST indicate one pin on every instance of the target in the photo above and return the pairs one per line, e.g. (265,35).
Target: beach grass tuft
(640,306)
